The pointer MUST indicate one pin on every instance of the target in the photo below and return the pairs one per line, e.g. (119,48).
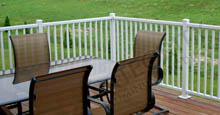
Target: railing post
(113,46)
(40,27)
(185,70)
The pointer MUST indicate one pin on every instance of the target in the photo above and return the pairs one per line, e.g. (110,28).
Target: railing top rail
(149,20)
(18,27)
(76,21)
(204,26)
(108,18)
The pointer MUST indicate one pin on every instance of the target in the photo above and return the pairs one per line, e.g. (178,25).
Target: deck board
(168,99)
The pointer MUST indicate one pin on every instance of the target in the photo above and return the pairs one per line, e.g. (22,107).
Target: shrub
(70,40)
(7,21)
(27,29)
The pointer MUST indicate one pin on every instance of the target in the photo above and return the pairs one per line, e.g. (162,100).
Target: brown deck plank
(168,99)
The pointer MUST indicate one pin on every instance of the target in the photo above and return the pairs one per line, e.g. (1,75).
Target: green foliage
(27,29)
(172,54)
(173,10)
(70,40)
(7,21)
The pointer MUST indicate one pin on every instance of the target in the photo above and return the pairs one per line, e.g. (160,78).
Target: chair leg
(161,110)
(19,108)
(106,90)
(101,86)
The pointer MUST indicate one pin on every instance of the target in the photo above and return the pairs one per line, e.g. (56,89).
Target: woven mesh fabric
(31,56)
(61,95)
(132,85)
(148,41)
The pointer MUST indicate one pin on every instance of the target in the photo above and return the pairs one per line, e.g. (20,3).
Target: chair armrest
(160,75)
(5,110)
(103,104)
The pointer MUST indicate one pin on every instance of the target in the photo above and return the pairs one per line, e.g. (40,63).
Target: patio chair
(130,90)
(62,92)
(31,56)
(145,42)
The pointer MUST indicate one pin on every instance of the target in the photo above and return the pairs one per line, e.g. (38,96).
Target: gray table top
(11,93)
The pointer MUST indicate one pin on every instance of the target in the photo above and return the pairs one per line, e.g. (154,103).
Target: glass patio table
(13,93)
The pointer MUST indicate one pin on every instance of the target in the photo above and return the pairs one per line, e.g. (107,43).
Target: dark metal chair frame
(151,98)
(87,71)
(160,72)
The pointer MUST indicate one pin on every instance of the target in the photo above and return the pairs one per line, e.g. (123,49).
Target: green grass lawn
(198,11)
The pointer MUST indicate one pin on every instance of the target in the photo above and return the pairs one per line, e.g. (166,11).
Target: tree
(27,29)
(7,21)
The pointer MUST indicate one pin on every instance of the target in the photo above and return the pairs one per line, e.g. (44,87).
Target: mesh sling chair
(62,92)
(31,57)
(130,90)
(145,42)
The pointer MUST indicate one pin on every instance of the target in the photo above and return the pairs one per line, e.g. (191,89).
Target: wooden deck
(168,99)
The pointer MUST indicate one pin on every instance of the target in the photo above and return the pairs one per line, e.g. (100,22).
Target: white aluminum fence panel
(192,59)
(55,43)
(2,51)
(85,39)
(80,40)
(106,39)
(101,40)
(179,55)
(167,54)
(113,38)
(74,40)
(117,34)
(131,40)
(61,42)
(218,88)
(205,60)
(68,41)
(65,42)
(161,52)
(173,61)
(199,58)
(204,64)
(122,40)
(126,40)
(10,51)
(90,38)
(213,62)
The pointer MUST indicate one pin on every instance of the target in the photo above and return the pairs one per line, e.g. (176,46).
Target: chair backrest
(31,54)
(62,92)
(131,85)
(149,41)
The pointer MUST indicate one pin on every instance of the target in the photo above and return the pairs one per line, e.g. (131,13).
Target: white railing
(190,54)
